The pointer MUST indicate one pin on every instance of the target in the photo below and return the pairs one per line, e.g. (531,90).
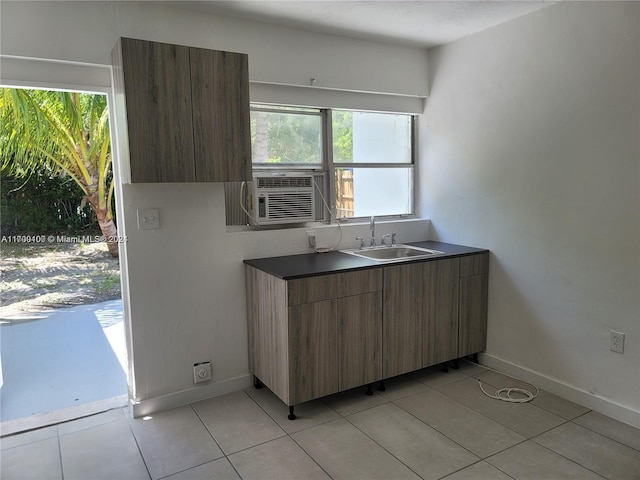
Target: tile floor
(427,424)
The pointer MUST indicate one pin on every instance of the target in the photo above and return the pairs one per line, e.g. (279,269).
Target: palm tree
(64,133)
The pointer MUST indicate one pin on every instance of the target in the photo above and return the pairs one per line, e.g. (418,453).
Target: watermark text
(62,239)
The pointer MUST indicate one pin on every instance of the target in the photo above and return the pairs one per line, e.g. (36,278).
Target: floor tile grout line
(311,456)
(475,411)
(364,409)
(565,457)
(285,406)
(603,434)
(381,446)
(206,428)
(60,454)
(475,463)
(564,420)
(135,439)
(475,377)
(441,433)
(90,426)
(233,466)
(290,435)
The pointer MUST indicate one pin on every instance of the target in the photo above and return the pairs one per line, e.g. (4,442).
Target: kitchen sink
(393,253)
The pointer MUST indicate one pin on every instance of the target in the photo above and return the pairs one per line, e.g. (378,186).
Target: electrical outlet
(617,342)
(201,372)
(311,239)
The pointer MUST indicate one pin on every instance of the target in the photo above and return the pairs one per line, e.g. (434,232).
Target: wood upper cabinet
(474,292)
(221,119)
(157,88)
(187,112)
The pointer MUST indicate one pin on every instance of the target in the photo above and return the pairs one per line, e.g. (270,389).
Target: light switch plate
(148,218)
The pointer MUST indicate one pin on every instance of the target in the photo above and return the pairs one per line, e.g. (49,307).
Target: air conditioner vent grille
(284,182)
(291,205)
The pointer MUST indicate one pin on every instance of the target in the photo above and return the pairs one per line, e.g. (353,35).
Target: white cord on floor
(504,394)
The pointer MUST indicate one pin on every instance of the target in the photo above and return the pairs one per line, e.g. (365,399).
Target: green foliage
(342,122)
(286,138)
(292,138)
(43,204)
(61,133)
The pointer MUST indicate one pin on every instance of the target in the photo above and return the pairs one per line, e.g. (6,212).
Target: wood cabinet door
(360,339)
(440,341)
(473,314)
(313,352)
(221,119)
(402,319)
(157,87)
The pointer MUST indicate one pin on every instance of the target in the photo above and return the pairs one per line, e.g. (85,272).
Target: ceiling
(420,23)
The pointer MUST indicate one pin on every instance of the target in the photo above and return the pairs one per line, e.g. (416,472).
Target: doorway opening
(62,336)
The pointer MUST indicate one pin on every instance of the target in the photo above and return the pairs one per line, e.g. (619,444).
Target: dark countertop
(311,264)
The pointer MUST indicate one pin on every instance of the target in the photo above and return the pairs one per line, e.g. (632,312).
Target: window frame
(327,166)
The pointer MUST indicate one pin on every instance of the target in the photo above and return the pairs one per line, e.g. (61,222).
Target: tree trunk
(110,232)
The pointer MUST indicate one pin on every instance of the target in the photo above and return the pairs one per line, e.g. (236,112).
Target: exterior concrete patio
(61,359)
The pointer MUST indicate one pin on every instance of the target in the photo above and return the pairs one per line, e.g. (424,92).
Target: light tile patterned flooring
(427,424)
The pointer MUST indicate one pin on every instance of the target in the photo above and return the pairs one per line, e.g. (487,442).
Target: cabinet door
(440,341)
(473,314)
(313,353)
(360,339)
(402,319)
(157,89)
(221,122)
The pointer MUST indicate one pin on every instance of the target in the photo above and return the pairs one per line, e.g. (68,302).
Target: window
(361,161)
(286,137)
(373,163)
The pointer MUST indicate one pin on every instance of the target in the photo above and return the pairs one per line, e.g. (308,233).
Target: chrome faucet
(384,239)
(372,227)
(361,242)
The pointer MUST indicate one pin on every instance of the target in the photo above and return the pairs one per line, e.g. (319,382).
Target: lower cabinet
(403,319)
(313,358)
(359,339)
(441,307)
(474,293)
(420,315)
(315,336)
(323,333)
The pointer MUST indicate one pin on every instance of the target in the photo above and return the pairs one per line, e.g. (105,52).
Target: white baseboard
(600,404)
(149,406)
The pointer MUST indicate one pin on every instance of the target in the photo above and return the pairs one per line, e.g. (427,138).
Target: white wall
(531,148)
(86,31)
(186,284)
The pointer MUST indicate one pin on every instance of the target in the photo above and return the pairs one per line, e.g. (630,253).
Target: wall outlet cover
(311,239)
(201,372)
(617,342)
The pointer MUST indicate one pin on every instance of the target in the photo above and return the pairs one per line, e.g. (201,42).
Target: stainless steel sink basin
(393,253)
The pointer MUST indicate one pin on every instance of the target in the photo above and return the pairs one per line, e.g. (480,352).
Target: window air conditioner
(285,198)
